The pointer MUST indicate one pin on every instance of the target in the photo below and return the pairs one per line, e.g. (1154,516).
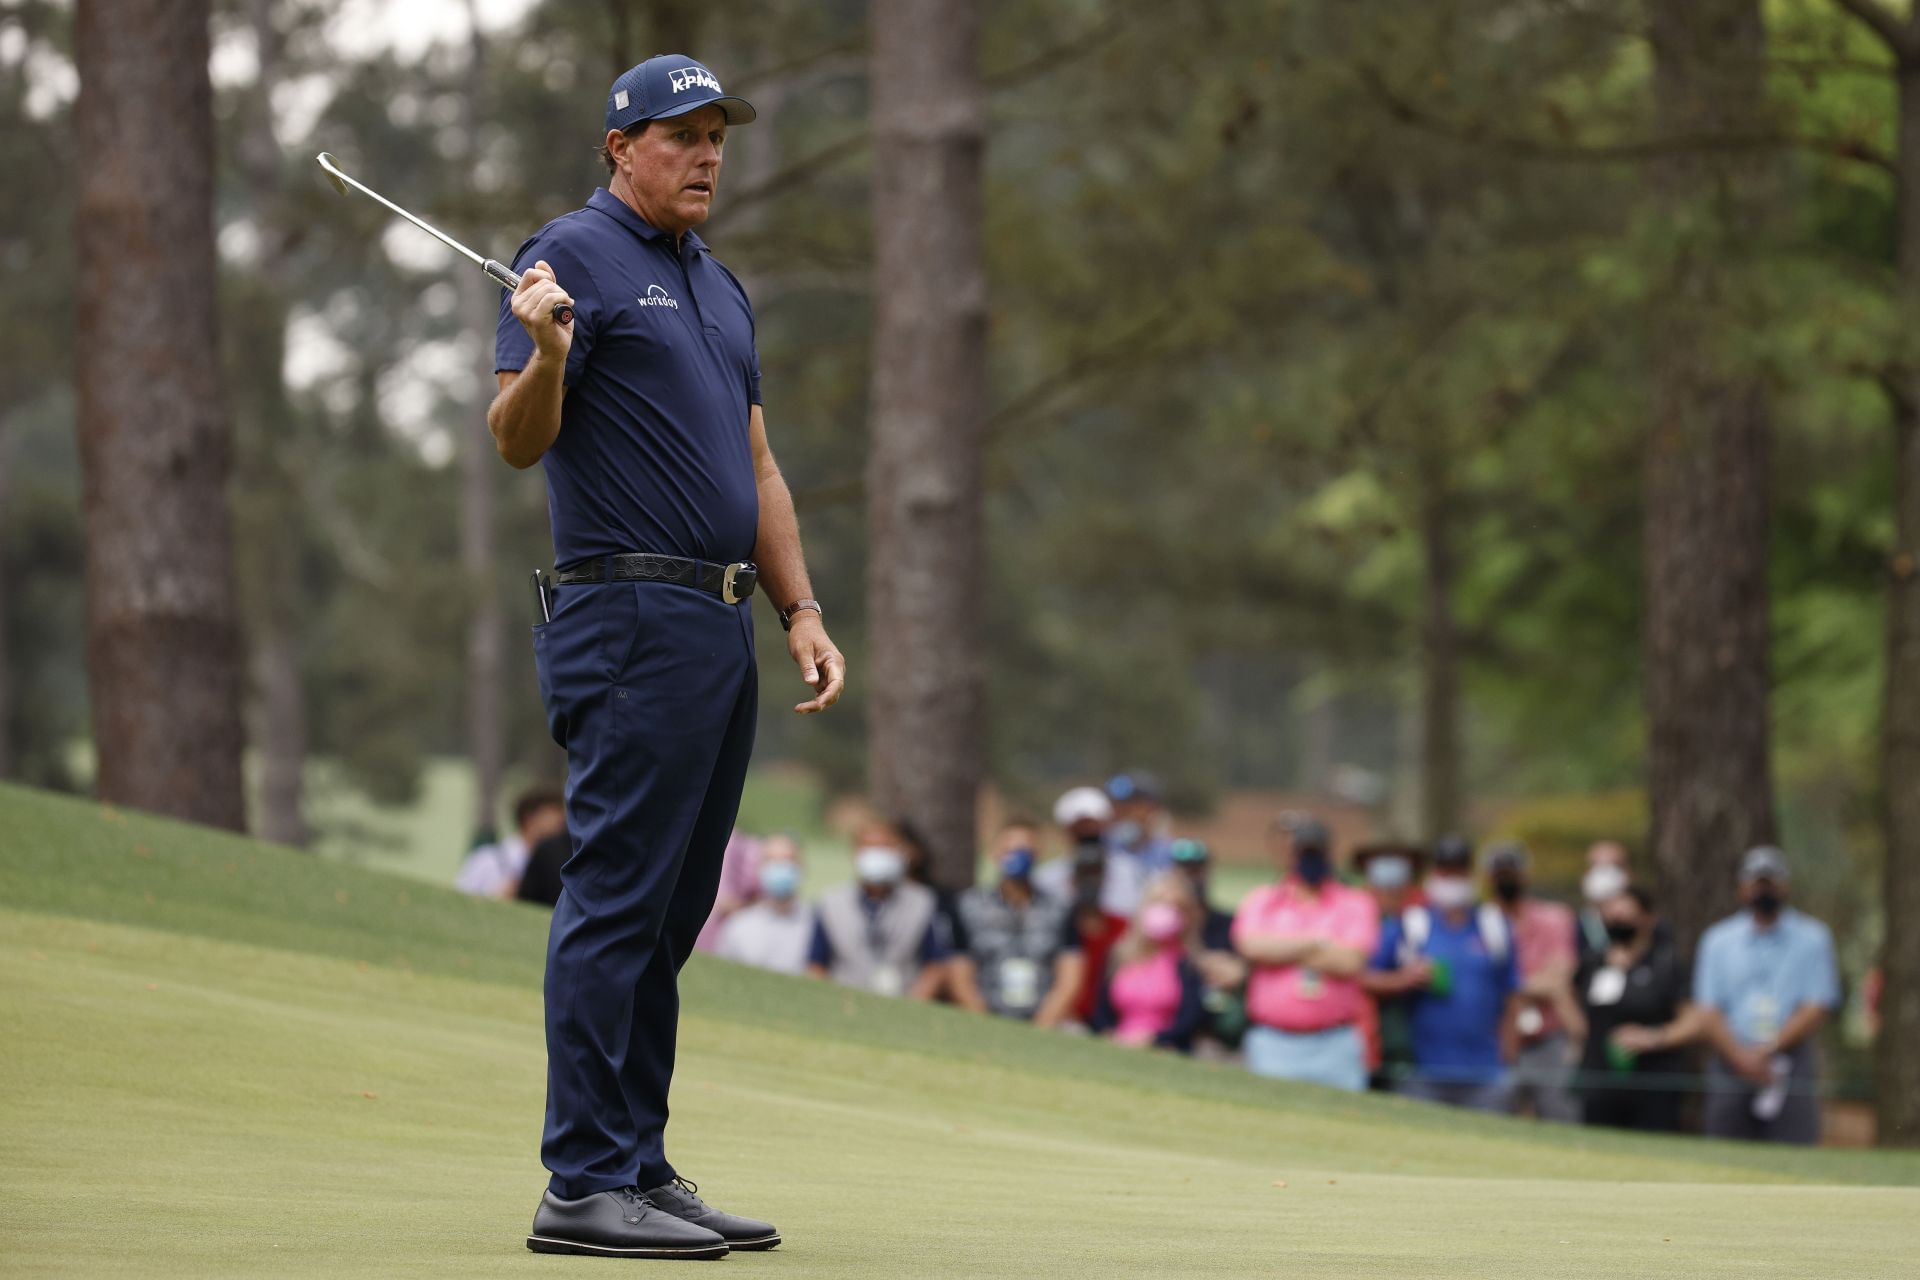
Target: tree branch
(1880,18)
(829,55)
(808,167)
(1831,66)
(1023,410)
(800,172)
(1058,55)
(1123,350)
(1410,113)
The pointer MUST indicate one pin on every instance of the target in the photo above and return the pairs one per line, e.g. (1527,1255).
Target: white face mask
(1603,882)
(877,864)
(1389,871)
(1450,893)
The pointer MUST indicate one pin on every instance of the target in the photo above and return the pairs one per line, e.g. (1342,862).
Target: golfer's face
(675,168)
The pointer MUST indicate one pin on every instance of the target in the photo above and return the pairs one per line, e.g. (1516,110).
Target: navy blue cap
(1307,832)
(666,85)
(1135,784)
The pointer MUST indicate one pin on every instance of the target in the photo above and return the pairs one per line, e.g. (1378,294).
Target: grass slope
(225,1059)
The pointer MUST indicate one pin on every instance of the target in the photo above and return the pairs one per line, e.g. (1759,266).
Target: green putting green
(223,1058)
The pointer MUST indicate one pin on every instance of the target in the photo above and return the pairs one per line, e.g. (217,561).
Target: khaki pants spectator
(1541,1074)
(1730,1103)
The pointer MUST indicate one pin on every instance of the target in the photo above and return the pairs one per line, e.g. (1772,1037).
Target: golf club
(499,271)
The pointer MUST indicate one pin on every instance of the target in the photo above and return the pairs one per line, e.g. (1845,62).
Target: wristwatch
(798,606)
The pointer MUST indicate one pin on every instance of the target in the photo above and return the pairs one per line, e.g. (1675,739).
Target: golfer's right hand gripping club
(499,271)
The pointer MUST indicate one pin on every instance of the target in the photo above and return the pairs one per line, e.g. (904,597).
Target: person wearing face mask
(1092,883)
(1221,968)
(1023,955)
(1392,873)
(1633,998)
(776,929)
(1543,945)
(879,933)
(949,932)
(1306,940)
(739,885)
(1154,996)
(1764,981)
(1086,816)
(1606,878)
(1139,840)
(1456,964)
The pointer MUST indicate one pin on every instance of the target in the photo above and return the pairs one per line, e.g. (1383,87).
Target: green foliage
(1266,281)
(1558,830)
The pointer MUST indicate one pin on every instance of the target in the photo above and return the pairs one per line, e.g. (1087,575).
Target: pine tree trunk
(266,506)
(6,653)
(926,673)
(280,737)
(1439,666)
(1898,1050)
(664,26)
(162,651)
(486,623)
(1709,782)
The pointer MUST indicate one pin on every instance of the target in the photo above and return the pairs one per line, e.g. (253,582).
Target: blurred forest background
(1489,412)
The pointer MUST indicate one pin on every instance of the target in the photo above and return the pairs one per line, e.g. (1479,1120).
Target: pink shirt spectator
(1146,997)
(1543,934)
(739,885)
(1295,997)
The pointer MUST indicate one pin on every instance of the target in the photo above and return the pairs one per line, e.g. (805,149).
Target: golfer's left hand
(821,665)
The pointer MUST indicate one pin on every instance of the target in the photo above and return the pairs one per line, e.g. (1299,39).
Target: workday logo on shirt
(655,296)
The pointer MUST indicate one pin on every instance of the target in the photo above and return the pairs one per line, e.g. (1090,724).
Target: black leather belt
(731,582)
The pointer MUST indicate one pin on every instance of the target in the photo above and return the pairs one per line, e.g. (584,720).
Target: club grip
(510,281)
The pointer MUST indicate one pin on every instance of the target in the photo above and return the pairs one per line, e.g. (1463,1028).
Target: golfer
(667,512)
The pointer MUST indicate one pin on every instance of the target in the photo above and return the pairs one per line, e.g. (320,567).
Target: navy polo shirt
(654,452)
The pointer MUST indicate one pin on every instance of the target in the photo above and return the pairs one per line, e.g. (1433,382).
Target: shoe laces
(692,1189)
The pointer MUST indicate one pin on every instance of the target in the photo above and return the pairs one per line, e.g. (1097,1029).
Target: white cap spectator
(1083,804)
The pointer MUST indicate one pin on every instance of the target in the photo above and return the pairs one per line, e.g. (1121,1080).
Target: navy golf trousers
(651,688)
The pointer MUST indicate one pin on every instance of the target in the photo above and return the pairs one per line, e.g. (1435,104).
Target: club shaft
(497,271)
(424,225)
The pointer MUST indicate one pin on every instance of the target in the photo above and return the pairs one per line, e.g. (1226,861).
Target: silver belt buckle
(726,583)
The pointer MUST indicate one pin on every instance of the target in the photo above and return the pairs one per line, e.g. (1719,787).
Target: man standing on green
(667,511)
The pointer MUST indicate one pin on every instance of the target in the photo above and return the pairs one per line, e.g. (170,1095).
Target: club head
(334,175)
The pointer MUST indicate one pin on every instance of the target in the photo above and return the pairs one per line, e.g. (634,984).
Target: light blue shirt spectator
(1758,977)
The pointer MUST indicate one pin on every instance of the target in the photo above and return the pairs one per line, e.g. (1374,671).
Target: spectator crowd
(1433,971)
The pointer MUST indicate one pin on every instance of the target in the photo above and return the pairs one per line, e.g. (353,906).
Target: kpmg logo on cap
(685,78)
(655,296)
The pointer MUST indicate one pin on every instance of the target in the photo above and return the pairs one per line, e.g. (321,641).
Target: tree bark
(667,26)
(6,654)
(486,624)
(1898,1050)
(1709,783)
(1439,664)
(1319,737)
(162,651)
(266,504)
(925,570)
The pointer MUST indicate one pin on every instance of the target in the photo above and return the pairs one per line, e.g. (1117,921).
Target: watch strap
(798,607)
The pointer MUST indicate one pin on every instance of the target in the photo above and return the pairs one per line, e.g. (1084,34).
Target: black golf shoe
(619,1224)
(682,1199)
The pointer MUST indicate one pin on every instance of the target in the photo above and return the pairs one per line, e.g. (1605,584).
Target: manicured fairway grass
(219,1058)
